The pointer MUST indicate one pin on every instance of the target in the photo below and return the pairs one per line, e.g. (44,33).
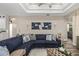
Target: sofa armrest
(59,42)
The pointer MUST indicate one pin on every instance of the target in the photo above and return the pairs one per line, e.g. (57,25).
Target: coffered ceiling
(24,9)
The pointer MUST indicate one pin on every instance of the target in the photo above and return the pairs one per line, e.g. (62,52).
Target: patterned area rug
(54,52)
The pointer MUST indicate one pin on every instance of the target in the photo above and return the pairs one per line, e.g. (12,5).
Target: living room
(42,29)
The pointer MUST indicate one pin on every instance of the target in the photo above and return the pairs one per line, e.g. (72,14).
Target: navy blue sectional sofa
(12,43)
(40,42)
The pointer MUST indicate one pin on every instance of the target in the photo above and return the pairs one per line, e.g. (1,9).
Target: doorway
(69,31)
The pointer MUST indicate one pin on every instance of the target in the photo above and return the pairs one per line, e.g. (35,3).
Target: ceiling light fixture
(50,5)
(40,4)
(47,14)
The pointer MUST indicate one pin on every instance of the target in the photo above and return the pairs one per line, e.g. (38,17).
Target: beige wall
(22,25)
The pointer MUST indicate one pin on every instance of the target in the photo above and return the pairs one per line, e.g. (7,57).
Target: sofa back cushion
(12,43)
(40,37)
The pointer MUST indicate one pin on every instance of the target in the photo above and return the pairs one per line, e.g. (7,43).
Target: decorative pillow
(32,37)
(4,51)
(19,52)
(26,38)
(49,37)
(54,37)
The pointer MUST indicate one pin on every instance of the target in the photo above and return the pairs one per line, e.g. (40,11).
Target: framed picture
(35,25)
(46,26)
(41,25)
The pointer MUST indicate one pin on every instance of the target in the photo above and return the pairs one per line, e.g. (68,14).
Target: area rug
(54,52)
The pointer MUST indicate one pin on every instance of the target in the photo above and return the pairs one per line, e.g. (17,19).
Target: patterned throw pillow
(49,37)
(4,51)
(32,37)
(26,38)
(54,37)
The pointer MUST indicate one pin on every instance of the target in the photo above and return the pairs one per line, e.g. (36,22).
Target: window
(2,23)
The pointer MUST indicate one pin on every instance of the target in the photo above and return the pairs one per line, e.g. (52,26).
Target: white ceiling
(23,9)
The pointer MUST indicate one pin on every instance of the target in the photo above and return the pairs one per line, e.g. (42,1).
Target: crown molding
(66,10)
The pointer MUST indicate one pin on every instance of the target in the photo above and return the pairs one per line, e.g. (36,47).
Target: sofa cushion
(58,41)
(40,37)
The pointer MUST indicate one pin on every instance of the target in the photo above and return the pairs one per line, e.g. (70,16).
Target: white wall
(23,25)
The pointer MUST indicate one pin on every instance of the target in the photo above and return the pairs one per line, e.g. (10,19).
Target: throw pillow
(49,37)
(4,51)
(26,38)
(32,37)
(54,37)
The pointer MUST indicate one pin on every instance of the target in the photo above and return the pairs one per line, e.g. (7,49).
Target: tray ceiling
(47,6)
(37,8)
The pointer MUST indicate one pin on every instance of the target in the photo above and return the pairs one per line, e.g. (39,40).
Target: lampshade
(12,20)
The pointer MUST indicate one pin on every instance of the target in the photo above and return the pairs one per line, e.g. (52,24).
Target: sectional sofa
(15,43)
